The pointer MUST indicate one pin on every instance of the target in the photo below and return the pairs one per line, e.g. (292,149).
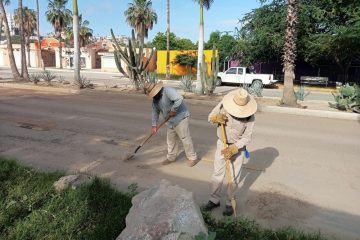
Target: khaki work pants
(180,132)
(218,176)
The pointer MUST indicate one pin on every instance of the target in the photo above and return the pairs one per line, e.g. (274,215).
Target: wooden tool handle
(151,134)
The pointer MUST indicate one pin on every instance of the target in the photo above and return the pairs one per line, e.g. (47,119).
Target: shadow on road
(259,159)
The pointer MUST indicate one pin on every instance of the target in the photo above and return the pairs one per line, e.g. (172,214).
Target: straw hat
(239,103)
(152,89)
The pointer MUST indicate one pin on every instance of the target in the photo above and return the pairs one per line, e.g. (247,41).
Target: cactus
(133,59)
(209,81)
(347,98)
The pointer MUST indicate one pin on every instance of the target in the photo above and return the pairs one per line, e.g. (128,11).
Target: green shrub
(48,76)
(35,77)
(83,82)
(188,60)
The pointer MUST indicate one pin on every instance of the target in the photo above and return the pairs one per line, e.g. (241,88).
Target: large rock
(163,212)
(72,181)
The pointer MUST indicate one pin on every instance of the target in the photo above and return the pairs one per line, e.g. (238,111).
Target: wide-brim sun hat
(239,103)
(153,89)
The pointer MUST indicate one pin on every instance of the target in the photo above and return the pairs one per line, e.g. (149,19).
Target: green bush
(30,208)
(186,59)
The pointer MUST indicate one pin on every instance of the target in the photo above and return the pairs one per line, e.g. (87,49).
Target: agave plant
(186,83)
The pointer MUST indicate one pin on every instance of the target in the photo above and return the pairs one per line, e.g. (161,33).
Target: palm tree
(30,25)
(59,17)
(141,17)
(76,43)
(6,3)
(40,63)
(85,33)
(14,70)
(24,71)
(290,54)
(168,39)
(207,5)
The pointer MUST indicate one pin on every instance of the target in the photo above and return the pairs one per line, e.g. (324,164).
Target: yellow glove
(230,151)
(218,118)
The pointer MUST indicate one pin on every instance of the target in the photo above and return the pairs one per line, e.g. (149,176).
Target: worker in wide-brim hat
(168,102)
(236,111)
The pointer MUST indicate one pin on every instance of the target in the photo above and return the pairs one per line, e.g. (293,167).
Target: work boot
(192,163)
(228,211)
(210,206)
(167,162)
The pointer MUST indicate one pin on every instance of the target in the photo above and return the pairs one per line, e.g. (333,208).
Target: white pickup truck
(241,75)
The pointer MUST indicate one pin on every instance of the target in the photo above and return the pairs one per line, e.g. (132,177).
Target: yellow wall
(176,69)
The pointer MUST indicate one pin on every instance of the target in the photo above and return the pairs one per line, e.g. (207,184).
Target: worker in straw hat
(168,102)
(236,111)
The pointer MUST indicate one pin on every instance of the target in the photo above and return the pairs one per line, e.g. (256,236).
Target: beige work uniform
(238,132)
(180,132)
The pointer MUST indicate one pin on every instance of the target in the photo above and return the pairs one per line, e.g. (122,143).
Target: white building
(12,26)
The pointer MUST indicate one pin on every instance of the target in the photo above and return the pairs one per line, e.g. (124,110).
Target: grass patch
(241,228)
(30,208)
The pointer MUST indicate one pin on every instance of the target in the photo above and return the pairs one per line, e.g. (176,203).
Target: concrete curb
(287,110)
(38,88)
(313,113)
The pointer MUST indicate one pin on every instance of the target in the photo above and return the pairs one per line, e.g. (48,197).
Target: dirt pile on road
(278,202)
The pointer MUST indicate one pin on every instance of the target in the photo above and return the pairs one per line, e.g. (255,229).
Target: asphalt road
(111,79)
(311,179)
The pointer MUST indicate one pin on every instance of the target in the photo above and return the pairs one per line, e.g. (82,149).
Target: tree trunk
(60,52)
(14,70)
(28,50)
(289,56)
(1,23)
(199,89)
(168,40)
(40,60)
(76,44)
(24,71)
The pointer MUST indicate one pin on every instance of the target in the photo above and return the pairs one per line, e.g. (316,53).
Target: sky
(184,16)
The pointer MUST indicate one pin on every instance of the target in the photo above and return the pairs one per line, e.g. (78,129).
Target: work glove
(218,118)
(230,151)
(172,114)
(154,129)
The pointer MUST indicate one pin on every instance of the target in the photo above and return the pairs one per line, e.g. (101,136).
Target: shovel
(130,156)
(229,178)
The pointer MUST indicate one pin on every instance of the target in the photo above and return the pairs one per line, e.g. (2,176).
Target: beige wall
(4,55)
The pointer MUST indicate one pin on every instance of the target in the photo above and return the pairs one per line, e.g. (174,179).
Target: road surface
(311,179)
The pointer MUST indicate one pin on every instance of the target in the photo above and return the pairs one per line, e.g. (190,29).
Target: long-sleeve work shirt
(172,101)
(238,131)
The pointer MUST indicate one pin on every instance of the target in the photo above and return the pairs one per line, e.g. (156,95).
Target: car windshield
(231,71)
